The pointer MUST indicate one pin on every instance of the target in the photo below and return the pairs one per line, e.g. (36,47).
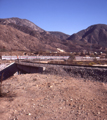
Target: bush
(91,63)
(71,58)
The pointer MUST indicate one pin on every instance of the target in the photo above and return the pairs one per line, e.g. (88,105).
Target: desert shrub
(71,58)
(92,55)
(96,61)
(79,63)
(91,63)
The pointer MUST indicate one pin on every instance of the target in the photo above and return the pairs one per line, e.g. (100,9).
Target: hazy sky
(68,16)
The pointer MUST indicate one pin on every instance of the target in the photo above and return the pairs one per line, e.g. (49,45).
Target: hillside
(13,39)
(60,35)
(42,40)
(21,34)
(21,22)
(93,38)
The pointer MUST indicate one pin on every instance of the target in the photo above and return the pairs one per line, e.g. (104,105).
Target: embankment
(88,73)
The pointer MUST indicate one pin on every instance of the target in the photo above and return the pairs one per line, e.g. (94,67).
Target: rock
(99,113)
(29,114)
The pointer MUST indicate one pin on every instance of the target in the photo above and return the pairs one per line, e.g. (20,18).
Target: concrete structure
(9,71)
(97,73)
(91,73)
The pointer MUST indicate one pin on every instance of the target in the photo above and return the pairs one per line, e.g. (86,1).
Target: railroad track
(37,63)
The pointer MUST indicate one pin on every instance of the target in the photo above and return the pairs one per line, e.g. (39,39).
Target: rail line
(35,63)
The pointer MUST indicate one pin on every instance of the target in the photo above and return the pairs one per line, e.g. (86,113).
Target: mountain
(93,38)
(60,35)
(21,22)
(21,34)
(13,39)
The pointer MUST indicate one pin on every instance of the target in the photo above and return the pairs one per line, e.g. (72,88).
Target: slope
(94,37)
(13,39)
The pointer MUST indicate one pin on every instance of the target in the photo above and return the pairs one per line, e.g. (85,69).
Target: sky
(67,16)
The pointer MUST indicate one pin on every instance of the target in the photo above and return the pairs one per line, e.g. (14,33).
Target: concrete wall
(29,69)
(9,71)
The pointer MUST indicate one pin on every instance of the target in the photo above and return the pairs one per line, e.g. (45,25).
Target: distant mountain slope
(13,39)
(44,37)
(60,35)
(94,36)
(21,34)
(21,22)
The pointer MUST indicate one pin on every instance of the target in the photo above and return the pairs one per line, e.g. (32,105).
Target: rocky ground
(52,97)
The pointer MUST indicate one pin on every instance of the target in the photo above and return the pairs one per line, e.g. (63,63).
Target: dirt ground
(52,97)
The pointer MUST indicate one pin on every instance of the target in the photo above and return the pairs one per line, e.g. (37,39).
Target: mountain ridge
(93,38)
(46,40)
(94,35)
(60,35)
(21,22)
